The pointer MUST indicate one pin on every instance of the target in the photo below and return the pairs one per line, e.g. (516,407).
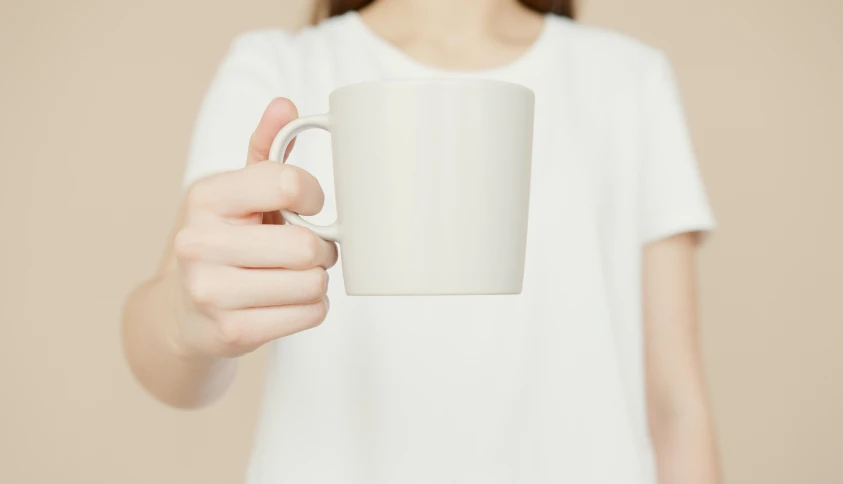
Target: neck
(447,18)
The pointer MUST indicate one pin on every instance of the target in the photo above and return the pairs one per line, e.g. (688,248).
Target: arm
(233,278)
(679,413)
(154,348)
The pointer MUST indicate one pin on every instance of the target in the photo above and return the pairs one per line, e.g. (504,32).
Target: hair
(564,8)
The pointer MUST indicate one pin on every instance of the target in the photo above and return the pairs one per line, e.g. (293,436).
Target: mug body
(432,182)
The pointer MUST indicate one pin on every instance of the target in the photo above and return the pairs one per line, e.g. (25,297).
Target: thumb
(279,112)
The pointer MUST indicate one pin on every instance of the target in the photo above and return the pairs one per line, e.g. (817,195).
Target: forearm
(160,363)
(678,411)
(685,447)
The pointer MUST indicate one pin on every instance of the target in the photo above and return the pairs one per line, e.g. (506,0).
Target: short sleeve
(674,199)
(246,80)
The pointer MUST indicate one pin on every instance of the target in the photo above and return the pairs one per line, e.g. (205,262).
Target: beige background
(97,99)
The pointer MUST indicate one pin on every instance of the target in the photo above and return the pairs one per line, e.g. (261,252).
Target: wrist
(174,331)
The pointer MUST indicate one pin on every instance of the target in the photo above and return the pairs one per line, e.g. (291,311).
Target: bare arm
(678,408)
(233,278)
(153,346)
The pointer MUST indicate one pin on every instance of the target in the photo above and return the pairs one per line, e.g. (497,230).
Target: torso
(546,386)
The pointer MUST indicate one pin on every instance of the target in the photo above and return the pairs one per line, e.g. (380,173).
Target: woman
(592,375)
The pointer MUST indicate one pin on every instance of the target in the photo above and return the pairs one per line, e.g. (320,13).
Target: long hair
(564,8)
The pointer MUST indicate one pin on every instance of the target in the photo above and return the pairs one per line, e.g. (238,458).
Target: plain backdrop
(97,101)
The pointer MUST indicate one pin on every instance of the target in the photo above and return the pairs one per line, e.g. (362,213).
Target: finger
(237,288)
(261,187)
(279,112)
(250,328)
(256,246)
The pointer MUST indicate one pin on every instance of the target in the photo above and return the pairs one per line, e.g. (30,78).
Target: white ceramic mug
(432,181)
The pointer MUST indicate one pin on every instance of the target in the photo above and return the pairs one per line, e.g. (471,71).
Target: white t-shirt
(543,387)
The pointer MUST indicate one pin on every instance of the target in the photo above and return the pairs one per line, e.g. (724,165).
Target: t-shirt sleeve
(674,197)
(246,80)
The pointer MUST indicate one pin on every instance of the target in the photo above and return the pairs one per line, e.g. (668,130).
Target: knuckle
(187,244)
(199,194)
(315,285)
(335,255)
(308,245)
(317,315)
(291,184)
(311,247)
(230,329)
(200,291)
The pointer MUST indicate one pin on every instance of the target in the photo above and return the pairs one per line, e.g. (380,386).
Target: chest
(563,311)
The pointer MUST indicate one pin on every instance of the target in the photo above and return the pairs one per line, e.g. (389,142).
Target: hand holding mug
(246,280)
(432,183)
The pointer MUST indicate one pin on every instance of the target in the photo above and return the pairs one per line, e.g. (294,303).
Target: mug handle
(276,153)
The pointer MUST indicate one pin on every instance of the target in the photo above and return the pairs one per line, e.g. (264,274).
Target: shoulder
(608,54)
(265,47)
(295,63)
(604,44)
(278,45)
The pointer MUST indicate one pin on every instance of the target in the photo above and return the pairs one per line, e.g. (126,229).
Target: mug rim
(421,80)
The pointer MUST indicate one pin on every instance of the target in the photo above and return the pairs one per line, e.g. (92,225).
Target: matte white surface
(432,182)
